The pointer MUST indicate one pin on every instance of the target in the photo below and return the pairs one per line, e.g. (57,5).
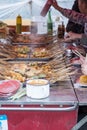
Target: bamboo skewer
(8,51)
(58,71)
(77,53)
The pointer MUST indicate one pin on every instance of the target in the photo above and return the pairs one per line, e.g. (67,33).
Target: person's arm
(74,27)
(73,36)
(84,65)
(72,15)
(83,39)
(71,26)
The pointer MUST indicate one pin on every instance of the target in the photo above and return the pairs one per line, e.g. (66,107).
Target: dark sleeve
(83,40)
(74,27)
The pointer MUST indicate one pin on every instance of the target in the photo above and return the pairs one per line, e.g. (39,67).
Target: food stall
(59,109)
(37,56)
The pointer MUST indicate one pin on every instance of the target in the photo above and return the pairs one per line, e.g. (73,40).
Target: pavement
(81,115)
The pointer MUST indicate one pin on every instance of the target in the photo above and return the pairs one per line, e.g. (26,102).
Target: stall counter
(58,111)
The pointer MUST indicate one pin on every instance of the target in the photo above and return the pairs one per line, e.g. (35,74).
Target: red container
(59,111)
(46,8)
(41,120)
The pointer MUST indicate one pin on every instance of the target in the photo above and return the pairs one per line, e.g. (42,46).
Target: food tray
(26,53)
(30,66)
(31,59)
(33,39)
(31,44)
(27,70)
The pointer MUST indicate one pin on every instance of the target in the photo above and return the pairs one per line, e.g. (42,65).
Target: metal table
(81,94)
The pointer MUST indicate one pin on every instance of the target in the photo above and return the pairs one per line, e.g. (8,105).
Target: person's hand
(83,62)
(72,36)
(55,4)
(84,68)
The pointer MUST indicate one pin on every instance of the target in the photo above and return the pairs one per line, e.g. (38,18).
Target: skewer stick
(77,53)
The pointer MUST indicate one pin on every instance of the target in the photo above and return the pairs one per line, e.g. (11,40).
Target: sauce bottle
(46,8)
(61,30)
(19,24)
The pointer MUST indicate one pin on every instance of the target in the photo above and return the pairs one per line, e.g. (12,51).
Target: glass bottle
(61,30)
(49,23)
(18,24)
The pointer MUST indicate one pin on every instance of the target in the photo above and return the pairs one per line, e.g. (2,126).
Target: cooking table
(81,93)
(58,111)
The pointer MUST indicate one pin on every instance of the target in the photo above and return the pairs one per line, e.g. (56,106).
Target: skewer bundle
(58,69)
(6,51)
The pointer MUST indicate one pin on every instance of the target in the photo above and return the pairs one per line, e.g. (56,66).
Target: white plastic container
(37,88)
(41,24)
